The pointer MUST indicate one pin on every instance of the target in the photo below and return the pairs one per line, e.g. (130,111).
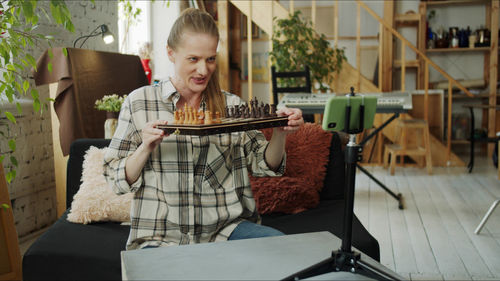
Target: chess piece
(188,116)
(254,111)
(181,116)
(176,117)
(266,110)
(246,112)
(237,113)
(199,117)
(193,117)
(217,117)
(273,110)
(208,117)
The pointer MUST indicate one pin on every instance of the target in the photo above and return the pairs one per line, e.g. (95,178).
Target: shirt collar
(170,94)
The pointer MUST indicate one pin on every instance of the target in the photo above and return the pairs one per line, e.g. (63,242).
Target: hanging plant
(296,44)
(18,36)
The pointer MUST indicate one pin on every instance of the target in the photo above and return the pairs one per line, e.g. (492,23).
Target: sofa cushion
(307,157)
(75,251)
(95,201)
(75,164)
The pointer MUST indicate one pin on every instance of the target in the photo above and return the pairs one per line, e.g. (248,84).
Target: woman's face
(194,61)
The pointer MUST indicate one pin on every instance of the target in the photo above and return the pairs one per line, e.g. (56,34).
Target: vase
(147,69)
(110,124)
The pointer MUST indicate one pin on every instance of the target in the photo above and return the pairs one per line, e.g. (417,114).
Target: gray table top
(269,258)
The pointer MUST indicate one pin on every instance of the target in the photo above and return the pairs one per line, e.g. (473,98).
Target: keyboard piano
(387,102)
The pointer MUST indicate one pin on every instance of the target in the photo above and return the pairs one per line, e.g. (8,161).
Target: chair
(401,147)
(294,74)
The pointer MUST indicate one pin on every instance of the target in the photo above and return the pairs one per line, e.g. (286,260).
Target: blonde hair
(197,21)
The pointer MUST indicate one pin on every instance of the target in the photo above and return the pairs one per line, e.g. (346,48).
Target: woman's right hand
(151,136)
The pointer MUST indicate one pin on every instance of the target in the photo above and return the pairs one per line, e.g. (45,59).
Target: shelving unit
(456,50)
(490,56)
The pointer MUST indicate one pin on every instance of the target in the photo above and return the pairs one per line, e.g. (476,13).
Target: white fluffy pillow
(95,201)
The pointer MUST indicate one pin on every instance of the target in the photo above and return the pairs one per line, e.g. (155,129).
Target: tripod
(345,259)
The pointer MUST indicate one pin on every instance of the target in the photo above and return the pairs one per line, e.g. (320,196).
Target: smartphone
(335,110)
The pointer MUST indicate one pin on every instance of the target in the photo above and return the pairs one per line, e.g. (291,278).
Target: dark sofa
(69,251)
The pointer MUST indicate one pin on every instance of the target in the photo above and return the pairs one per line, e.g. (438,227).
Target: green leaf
(34,94)
(51,55)
(5,206)
(19,108)
(10,176)
(13,160)
(28,11)
(65,52)
(49,66)
(36,105)
(26,86)
(31,60)
(10,117)
(12,145)
(1,158)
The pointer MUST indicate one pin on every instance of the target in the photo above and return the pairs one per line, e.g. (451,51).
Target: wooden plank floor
(433,237)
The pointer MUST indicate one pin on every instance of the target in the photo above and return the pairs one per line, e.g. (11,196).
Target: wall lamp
(107,36)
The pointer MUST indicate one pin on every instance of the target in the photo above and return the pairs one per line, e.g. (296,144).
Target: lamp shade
(107,36)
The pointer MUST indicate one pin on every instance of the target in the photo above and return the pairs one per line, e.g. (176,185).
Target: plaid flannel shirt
(192,189)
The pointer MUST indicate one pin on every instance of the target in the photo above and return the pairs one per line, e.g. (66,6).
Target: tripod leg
(398,196)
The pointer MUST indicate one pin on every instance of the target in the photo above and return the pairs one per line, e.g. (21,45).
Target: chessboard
(227,125)
(244,117)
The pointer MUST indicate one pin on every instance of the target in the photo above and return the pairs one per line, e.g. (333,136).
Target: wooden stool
(402,148)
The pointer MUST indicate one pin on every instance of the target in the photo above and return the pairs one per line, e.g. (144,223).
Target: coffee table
(269,258)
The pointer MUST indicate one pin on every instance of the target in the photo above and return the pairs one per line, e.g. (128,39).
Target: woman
(190,189)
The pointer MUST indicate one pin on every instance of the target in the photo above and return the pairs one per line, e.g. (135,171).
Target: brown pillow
(95,201)
(307,157)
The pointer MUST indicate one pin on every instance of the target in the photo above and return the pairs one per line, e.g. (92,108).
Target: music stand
(350,114)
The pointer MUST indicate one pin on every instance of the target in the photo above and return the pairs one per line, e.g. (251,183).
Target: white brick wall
(33,191)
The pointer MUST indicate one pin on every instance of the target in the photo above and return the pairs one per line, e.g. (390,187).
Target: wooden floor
(433,237)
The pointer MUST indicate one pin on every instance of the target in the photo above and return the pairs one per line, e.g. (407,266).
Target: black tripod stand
(345,259)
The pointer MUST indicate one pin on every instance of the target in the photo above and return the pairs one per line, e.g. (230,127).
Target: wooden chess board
(227,125)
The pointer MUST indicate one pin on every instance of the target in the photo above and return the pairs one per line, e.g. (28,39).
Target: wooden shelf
(456,2)
(455,50)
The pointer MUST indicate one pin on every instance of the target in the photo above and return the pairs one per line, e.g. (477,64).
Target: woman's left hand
(295,119)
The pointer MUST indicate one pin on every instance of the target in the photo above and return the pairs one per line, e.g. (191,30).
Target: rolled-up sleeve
(124,142)
(255,145)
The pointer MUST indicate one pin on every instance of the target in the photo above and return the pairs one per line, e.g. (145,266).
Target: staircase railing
(383,27)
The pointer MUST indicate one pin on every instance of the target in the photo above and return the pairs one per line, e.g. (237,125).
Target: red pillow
(307,156)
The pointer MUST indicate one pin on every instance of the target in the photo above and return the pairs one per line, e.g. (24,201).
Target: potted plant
(296,44)
(112,105)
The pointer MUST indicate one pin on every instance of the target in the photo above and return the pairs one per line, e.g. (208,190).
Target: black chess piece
(273,110)
(266,110)
(246,112)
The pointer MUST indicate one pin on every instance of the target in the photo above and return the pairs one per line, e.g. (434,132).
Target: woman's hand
(295,119)
(151,136)
(276,148)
